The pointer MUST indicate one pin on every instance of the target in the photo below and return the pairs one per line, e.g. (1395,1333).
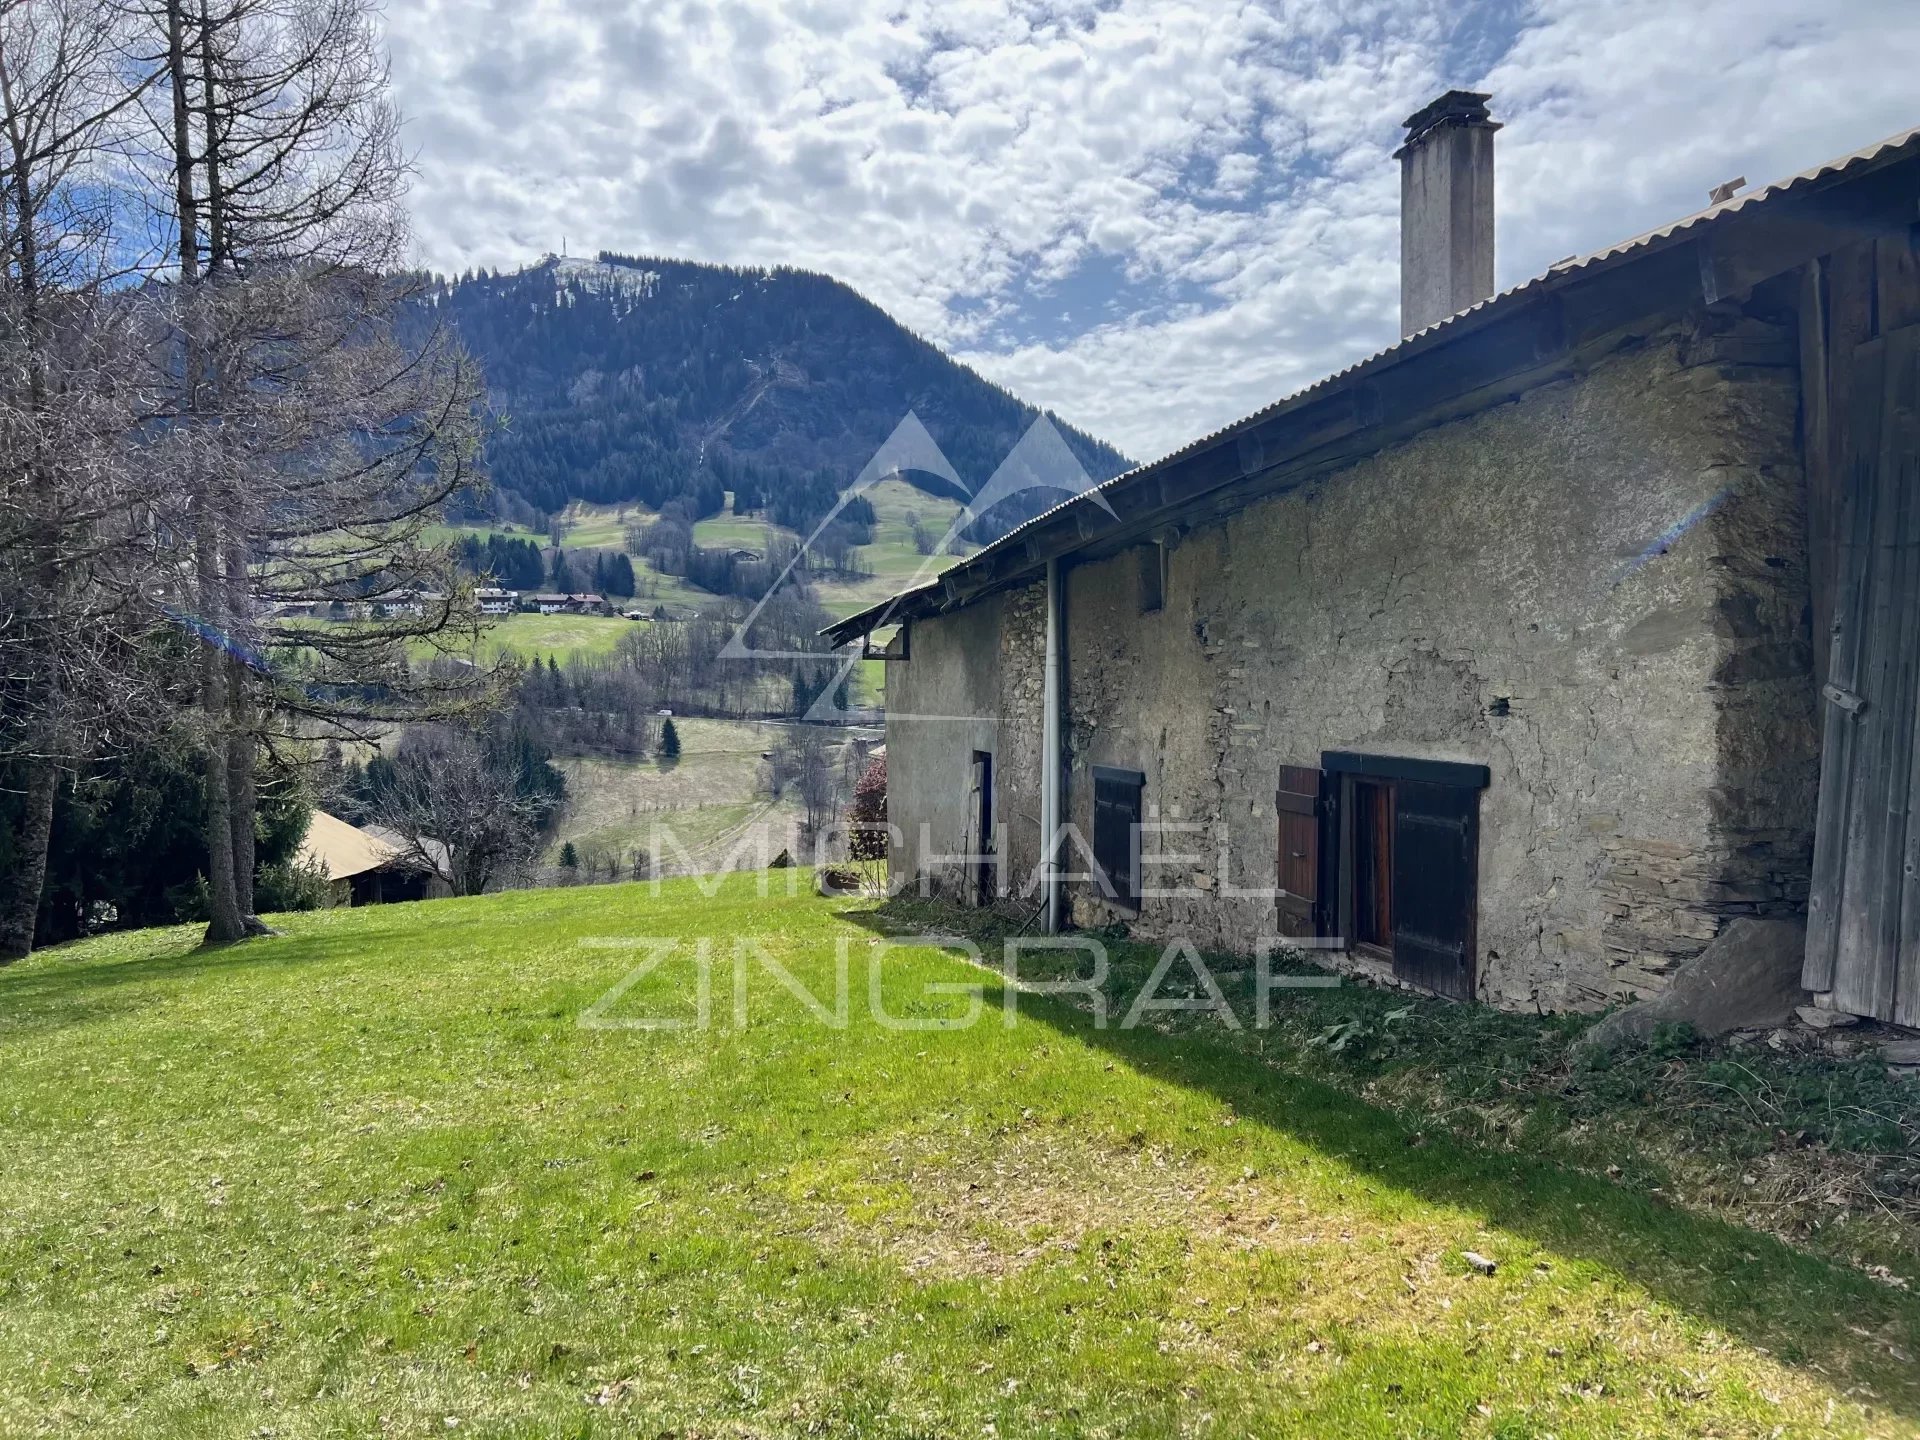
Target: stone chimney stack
(1446,209)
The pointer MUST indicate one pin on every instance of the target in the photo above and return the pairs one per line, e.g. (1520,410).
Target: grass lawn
(891,557)
(601,527)
(895,502)
(702,798)
(562,636)
(374,1177)
(894,562)
(738,532)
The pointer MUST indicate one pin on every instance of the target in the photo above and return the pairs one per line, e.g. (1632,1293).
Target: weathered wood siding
(1864,909)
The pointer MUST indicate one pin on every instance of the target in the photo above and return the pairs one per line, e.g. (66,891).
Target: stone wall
(972,681)
(1023,663)
(1597,590)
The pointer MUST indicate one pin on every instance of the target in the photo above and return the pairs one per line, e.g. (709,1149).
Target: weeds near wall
(1821,1151)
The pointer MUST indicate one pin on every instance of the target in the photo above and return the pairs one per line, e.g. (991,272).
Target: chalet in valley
(575,604)
(1522,657)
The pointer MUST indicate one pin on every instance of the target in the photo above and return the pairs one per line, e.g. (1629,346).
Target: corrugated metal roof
(1880,152)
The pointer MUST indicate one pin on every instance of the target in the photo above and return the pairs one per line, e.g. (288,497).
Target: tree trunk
(224,920)
(183,150)
(242,750)
(241,802)
(22,901)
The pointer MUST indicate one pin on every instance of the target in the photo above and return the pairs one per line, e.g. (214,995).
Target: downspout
(1051,786)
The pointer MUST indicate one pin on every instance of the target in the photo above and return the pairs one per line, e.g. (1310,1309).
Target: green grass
(1819,1149)
(895,502)
(891,557)
(894,562)
(703,798)
(373,1177)
(533,636)
(735,532)
(601,527)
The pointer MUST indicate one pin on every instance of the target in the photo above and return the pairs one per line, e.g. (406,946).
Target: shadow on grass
(52,995)
(1801,1309)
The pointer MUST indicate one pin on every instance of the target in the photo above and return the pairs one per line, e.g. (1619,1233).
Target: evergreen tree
(669,742)
(628,386)
(619,578)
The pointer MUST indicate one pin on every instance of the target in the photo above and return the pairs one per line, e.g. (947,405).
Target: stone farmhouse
(1519,659)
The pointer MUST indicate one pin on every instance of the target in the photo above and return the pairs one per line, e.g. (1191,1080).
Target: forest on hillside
(634,379)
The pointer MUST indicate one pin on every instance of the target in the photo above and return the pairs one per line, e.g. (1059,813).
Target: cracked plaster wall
(1597,590)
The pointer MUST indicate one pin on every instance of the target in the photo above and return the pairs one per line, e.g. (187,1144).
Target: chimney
(1446,209)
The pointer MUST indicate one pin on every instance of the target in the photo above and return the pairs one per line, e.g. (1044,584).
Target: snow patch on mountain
(602,275)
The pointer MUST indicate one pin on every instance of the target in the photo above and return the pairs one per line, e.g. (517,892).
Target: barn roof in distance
(341,849)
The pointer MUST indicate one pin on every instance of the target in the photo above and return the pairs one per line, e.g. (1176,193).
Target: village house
(492,600)
(575,604)
(405,604)
(1521,658)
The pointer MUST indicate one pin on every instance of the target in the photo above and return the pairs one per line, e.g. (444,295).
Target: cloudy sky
(1153,216)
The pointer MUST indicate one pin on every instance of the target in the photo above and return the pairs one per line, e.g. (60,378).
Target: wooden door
(980,827)
(1116,831)
(1863,922)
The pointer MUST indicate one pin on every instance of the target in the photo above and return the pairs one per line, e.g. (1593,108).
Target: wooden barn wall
(1846,298)
(1859,314)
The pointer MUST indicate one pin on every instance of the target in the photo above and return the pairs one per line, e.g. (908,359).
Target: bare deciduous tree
(76,539)
(458,804)
(316,439)
(803,761)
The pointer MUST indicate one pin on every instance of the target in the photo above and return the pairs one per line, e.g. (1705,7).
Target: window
(1116,831)
(1393,865)
(1371,826)
(1153,577)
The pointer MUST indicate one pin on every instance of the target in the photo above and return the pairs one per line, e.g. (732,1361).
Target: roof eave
(1204,463)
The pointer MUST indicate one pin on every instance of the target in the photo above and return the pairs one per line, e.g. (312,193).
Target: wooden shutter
(1298,876)
(1436,842)
(1116,831)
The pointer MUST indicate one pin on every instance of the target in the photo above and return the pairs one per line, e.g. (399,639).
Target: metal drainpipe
(1051,786)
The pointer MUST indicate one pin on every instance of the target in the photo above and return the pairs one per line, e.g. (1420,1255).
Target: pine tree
(569,857)
(620,577)
(669,742)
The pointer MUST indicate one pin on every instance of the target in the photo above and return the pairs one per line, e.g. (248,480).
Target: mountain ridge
(645,379)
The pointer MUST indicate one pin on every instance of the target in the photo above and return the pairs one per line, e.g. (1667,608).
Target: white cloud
(1153,216)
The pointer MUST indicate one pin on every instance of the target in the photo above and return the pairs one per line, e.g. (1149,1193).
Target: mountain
(632,379)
